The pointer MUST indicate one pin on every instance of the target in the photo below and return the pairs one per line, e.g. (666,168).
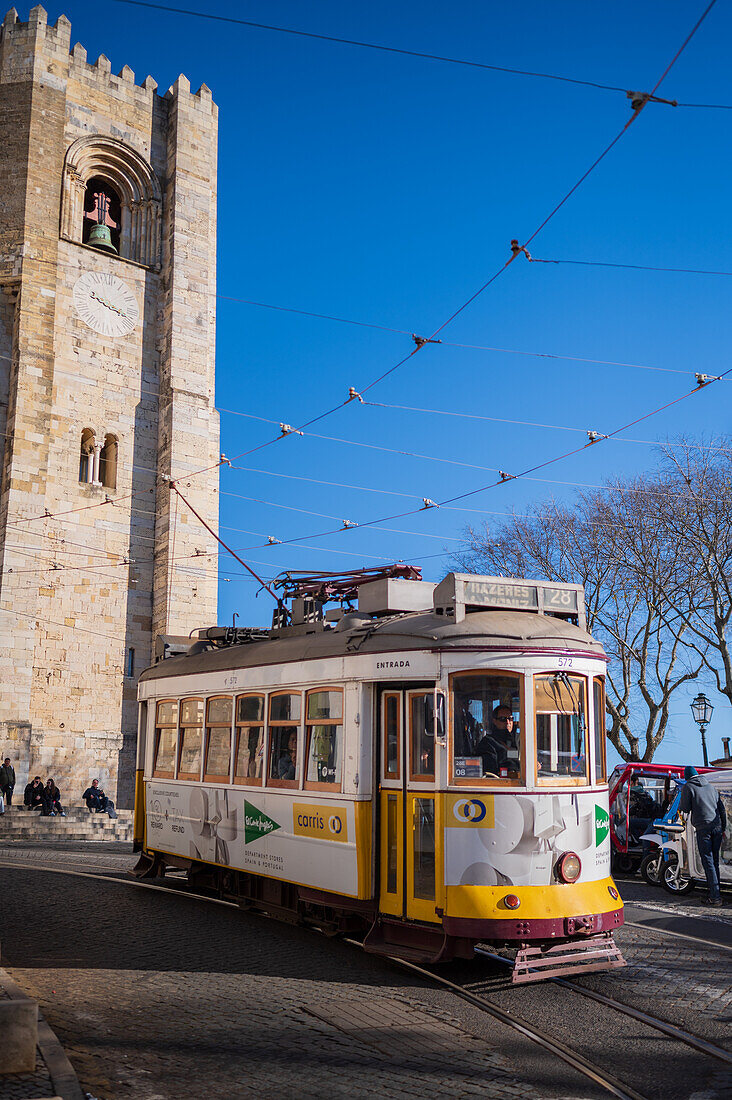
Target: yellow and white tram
(428,768)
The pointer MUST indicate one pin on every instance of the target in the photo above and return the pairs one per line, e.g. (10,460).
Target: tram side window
(598,700)
(422,735)
(324,725)
(166,728)
(218,740)
(191,739)
(284,739)
(486,726)
(391,710)
(561,725)
(249,739)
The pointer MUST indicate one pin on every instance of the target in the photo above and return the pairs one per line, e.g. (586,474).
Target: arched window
(102,166)
(86,458)
(108,462)
(102,215)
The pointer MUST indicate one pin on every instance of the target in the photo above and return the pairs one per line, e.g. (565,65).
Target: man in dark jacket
(33,797)
(7,781)
(499,747)
(95,798)
(709,819)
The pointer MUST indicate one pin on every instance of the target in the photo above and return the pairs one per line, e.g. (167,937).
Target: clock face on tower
(106,304)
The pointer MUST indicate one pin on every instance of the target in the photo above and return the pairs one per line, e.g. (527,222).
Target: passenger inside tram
(287,763)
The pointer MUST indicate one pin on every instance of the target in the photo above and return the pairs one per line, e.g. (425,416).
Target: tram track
(554,1046)
(572,1057)
(657,1024)
(591,1070)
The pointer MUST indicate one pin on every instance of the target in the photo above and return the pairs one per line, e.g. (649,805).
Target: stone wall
(108,568)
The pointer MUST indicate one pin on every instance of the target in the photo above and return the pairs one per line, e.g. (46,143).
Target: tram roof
(357,634)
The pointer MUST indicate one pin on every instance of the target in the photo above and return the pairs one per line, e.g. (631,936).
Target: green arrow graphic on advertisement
(256,823)
(602,825)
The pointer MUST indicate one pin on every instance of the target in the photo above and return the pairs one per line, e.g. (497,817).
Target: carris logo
(335,824)
(469,809)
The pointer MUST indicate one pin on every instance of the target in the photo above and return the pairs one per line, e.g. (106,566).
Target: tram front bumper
(545,912)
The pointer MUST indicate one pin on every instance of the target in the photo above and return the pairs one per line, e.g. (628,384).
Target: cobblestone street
(159,997)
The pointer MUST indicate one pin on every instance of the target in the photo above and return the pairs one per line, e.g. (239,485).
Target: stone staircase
(24,825)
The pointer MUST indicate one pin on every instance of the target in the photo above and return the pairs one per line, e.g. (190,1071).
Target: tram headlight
(569,867)
(511,901)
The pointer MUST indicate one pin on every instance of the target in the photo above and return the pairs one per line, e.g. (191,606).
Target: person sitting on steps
(95,798)
(51,801)
(33,796)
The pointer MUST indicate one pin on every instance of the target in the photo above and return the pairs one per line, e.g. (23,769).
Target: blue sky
(387,189)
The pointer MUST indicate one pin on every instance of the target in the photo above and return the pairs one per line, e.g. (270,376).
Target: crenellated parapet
(23,45)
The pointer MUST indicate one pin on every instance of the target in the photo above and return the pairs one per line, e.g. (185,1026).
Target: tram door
(407,804)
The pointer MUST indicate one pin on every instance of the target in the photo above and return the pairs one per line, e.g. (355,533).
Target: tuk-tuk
(680,865)
(639,795)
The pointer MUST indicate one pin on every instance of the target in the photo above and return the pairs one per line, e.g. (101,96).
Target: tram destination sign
(520,597)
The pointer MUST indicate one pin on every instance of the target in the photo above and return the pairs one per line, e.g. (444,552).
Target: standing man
(709,818)
(7,780)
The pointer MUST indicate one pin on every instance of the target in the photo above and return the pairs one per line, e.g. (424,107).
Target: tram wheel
(673,881)
(650,867)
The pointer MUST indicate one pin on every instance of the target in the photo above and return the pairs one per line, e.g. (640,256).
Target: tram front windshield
(486,718)
(561,725)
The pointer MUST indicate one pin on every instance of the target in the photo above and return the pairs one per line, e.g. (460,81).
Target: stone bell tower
(107,326)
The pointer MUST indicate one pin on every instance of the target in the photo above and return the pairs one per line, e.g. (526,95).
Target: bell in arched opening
(102,213)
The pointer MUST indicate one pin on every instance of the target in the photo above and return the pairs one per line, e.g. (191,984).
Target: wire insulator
(639,99)
(516,248)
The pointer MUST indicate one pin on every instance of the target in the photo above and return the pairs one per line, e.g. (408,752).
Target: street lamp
(702,710)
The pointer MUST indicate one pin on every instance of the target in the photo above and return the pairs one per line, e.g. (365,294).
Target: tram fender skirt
(147,866)
(309,894)
(414,942)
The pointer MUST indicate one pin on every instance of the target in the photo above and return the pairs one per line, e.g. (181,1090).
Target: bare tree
(697,513)
(615,543)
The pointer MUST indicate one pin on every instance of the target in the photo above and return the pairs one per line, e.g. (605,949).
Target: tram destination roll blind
(518,596)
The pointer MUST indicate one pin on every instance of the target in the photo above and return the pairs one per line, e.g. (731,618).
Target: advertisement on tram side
(516,840)
(297,841)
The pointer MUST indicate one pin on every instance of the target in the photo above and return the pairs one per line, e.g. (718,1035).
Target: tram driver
(499,747)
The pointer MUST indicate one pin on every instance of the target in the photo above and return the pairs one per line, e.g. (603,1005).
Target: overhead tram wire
(598,439)
(401,51)
(522,424)
(444,412)
(445,343)
(506,477)
(421,342)
(602,439)
(629,267)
